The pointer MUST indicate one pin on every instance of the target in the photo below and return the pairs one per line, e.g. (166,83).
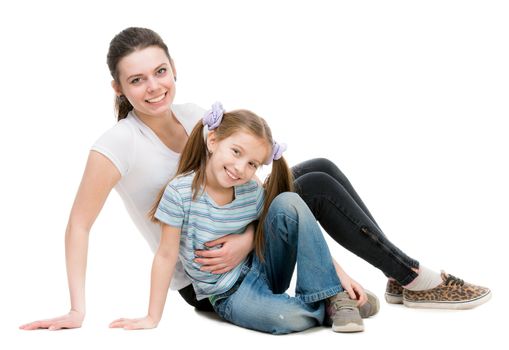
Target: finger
(30,326)
(214,268)
(217,241)
(362,297)
(118,323)
(208,253)
(223,270)
(351,293)
(62,325)
(209,261)
(37,325)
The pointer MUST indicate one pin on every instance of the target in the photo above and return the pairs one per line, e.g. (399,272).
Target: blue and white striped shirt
(202,220)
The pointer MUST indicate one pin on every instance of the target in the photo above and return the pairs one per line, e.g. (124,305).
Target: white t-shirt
(146,165)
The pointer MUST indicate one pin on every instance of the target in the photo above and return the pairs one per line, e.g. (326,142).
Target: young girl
(214,194)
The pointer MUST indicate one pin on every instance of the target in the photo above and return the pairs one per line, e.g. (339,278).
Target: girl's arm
(163,267)
(353,288)
(99,178)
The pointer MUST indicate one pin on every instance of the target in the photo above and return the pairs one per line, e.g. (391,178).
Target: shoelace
(454,281)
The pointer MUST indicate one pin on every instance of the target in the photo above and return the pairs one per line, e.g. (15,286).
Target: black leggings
(341,212)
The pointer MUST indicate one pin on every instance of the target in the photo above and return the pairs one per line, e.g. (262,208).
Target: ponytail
(122,107)
(280,180)
(193,158)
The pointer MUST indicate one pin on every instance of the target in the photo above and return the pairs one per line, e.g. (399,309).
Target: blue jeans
(292,236)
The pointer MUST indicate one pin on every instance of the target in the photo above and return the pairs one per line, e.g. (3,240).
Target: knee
(287,203)
(315,182)
(330,168)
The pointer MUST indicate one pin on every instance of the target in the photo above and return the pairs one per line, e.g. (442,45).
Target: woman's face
(147,80)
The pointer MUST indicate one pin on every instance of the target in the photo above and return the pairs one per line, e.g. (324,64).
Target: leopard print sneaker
(393,292)
(452,293)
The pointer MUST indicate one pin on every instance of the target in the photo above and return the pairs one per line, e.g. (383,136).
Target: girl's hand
(73,319)
(234,248)
(134,323)
(354,290)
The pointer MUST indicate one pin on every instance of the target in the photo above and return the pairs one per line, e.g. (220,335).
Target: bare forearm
(339,270)
(162,272)
(76,250)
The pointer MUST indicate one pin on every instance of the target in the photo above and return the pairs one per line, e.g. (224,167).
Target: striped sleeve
(171,207)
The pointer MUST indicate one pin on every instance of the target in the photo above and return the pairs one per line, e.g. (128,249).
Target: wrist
(154,319)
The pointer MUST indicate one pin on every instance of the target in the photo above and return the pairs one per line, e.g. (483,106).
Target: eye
(161,71)
(236,151)
(135,81)
(254,165)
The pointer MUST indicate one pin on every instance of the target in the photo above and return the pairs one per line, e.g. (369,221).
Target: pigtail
(193,158)
(280,180)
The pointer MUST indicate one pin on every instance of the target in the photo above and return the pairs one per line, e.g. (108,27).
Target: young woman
(213,194)
(152,132)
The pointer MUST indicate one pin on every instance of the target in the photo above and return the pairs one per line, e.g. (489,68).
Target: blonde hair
(194,159)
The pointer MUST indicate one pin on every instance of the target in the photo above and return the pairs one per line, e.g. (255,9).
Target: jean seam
(360,226)
(272,231)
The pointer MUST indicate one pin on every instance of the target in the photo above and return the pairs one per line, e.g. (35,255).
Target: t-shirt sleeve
(118,145)
(171,207)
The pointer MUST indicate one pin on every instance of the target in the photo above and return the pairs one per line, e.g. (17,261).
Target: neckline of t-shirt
(154,135)
(213,202)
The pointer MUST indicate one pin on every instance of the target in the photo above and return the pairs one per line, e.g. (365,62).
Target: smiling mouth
(157,99)
(233,177)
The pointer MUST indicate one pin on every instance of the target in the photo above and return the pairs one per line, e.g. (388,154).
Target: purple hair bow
(213,116)
(277,152)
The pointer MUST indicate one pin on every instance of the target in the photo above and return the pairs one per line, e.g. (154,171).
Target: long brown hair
(124,43)
(195,155)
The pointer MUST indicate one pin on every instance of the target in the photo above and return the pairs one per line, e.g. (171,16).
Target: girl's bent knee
(287,201)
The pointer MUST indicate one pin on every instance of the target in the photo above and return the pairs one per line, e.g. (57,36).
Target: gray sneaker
(371,307)
(343,314)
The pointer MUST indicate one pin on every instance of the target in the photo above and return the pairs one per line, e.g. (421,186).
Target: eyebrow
(139,75)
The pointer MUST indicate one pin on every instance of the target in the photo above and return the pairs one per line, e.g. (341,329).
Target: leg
(292,237)
(323,165)
(188,294)
(255,306)
(340,211)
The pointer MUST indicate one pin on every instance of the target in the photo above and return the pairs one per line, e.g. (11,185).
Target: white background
(407,97)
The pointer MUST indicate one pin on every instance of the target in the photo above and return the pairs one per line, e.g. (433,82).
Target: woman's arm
(99,178)
(163,267)
(234,249)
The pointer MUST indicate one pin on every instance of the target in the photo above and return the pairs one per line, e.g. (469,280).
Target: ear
(173,69)
(116,87)
(211,141)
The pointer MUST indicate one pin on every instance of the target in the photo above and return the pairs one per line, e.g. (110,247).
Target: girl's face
(147,79)
(234,160)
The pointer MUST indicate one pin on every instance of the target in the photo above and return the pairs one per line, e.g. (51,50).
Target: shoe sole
(451,305)
(394,298)
(348,328)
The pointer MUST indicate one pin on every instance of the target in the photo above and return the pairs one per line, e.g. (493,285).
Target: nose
(239,168)
(152,84)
